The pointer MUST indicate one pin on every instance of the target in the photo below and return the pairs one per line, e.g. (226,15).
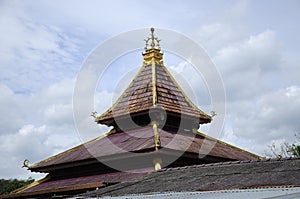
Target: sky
(43,46)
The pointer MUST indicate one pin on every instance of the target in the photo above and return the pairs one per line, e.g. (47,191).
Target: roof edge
(229,145)
(54,190)
(209,117)
(47,177)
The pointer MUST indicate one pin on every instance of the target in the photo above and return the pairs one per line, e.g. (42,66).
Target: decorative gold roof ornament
(25,163)
(154,41)
(152,49)
(94,114)
(213,114)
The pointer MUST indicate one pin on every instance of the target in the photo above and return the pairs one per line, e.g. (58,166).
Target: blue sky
(43,44)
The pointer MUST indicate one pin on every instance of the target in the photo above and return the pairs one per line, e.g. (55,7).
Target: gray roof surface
(271,193)
(209,177)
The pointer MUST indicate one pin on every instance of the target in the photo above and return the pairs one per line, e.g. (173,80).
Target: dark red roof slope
(48,187)
(112,144)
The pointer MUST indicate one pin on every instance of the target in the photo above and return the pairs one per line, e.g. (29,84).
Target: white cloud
(262,104)
(11,143)
(58,113)
(33,54)
(105,17)
(27,142)
(281,108)
(35,126)
(258,122)
(259,52)
(34,143)
(37,63)
(12,110)
(253,63)
(216,35)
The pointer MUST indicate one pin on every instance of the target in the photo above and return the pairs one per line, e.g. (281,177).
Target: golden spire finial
(154,41)
(152,38)
(152,49)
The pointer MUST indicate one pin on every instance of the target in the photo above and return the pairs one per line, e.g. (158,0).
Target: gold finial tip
(152,41)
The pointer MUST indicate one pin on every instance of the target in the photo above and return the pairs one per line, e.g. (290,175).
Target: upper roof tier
(153,88)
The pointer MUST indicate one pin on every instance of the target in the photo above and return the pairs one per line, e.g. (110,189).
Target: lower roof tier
(236,175)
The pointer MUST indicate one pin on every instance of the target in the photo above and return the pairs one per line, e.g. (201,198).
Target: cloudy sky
(255,46)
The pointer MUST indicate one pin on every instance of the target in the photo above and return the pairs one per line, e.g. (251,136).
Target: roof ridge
(123,93)
(183,93)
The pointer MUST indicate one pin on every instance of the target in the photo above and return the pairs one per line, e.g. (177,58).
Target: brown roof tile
(138,96)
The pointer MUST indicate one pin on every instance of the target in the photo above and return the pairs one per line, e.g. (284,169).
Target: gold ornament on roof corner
(25,163)
(94,114)
(213,113)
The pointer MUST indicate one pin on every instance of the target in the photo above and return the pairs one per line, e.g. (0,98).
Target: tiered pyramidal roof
(154,126)
(153,115)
